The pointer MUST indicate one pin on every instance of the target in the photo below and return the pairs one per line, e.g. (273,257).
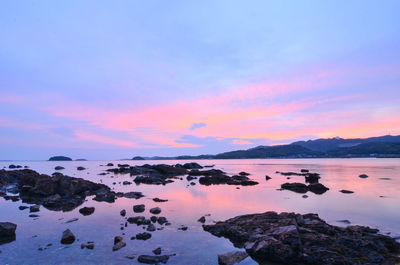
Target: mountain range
(382,146)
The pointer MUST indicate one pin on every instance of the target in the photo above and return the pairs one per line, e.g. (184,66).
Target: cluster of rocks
(216,176)
(291,238)
(57,192)
(311,178)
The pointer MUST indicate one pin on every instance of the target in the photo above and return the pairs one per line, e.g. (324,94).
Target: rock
(34,215)
(136,220)
(267,177)
(139,208)
(316,188)
(7,232)
(296,187)
(59,168)
(110,165)
(153,219)
(34,208)
(202,219)
(126,183)
(183,228)
(159,200)
(130,256)
(363,176)
(67,237)
(118,246)
(22,207)
(232,257)
(304,171)
(304,196)
(133,195)
(217,177)
(147,259)
(123,212)
(90,246)
(189,178)
(291,238)
(346,191)
(86,211)
(151,228)
(80,168)
(162,220)
(344,221)
(244,173)
(155,210)
(118,239)
(143,236)
(157,251)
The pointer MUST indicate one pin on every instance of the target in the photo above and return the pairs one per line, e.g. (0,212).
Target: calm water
(188,203)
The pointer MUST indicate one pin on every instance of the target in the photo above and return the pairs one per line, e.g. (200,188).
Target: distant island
(381,147)
(60,158)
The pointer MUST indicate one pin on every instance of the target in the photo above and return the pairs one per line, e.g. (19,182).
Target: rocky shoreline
(290,238)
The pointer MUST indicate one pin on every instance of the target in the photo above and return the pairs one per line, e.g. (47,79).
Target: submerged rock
(157,251)
(67,237)
(139,208)
(133,195)
(143,236)
(59,168)
(155,210)
(147,259)
(363,176)
(232,257)
(118,243)
(86,211)
(291,238)
(346,191)
(159,200)
(80,168)
(7,232)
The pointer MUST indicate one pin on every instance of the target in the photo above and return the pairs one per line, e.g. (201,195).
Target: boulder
(232,257)
(147,259)
(155,210)
(363,176)
(143,236)
(59,168)
(159,200)
(138,208)
(86,211)
(290,238)
(7,229)
(67,237)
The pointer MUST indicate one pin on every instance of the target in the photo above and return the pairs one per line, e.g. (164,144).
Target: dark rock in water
(157,251)
(60,158)
(162,220)
(346,191)
(110,165)
(147,259)
(154,180)
(385,178)
(133,195)
(105,196)
(202,219)
(363,176)
(14,166)
(296,187)
(123,212)
(304,171)
(136,220)
(139,208)
(291,238)
(71,220)
(153,219)
(244,173)
(80,168)
(151,228)
(159,200)
(86,210)
(215,177)
(59,192)
(232,257)
(7,231)
(126,183)
(59,168)
(11,197)
(155,210)
(209,166)
(312,178)
(183,228)
(22,207)
(267,177)
(67,237)
(143,236)
(316,188)
(34,208)
(304,196)
(118,243)
(192,165)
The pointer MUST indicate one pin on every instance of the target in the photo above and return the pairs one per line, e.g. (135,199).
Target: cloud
(197,126)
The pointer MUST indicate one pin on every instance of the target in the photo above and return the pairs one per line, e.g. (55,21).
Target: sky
(116,79)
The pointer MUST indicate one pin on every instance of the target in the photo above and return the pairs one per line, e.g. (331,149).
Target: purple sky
(116,79)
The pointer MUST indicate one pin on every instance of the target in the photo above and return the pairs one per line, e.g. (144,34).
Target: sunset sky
(116,79)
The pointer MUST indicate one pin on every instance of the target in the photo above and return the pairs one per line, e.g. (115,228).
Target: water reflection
(187,203)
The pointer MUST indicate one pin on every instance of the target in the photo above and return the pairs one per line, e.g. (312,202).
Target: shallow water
(188,203)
